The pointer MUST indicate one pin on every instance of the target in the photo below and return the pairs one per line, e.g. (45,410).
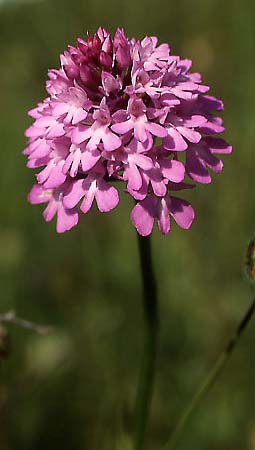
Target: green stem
(210,379)
(145,387)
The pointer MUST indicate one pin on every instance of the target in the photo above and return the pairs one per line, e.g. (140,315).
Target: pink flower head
(123,110)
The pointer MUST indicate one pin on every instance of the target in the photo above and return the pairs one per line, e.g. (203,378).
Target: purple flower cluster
(123,110)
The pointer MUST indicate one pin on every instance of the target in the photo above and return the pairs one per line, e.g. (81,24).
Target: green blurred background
(74,389)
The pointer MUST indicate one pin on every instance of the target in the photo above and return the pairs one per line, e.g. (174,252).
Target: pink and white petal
(195,120)
(159,187)
(120,116)
(56,131)
(156,180)
(107,196)
(156,130)
(42,150)
(202,88)
(142,192)
(89,159)
(110,140)
(123,127)
(50,210)
(211,161)
(56,177)
(218,145)
(214,125)
(187,86)
(210,103)
(89,197)
(140,132)
(79,114)
(45,173)
(68,163)
(66,218)
(45,121)
(174,141)
(60,108)
(30,148)
(181,211)
(80,134)
(38,110)
(75,163)
(140,147)
(96,136)
(74,194)
(133,176)
(143,214)
(34,132)
(142,161)
(172,170)
(39,195)
(182,94)
(109,83)
(168,99)
(185,64)
(191,135)
(35,163)
(196,169)
(163,217)
(39,148)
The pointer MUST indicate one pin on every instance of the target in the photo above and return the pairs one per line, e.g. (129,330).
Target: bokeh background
(74,389)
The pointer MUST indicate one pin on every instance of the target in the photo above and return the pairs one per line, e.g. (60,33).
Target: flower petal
(174,141)
(66,218)
(172,170)
(74,194)
(156,130)
(89,159)
(163,217)
(107,196)
(111,141)
(191,135)
(196,169)
(217,145)
(122,127)
(143,214)
(181,211)
(133,176)
(80,134)
(39,195)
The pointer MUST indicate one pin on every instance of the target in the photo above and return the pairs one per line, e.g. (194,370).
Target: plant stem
(145,387)
(210,379)
(11,317)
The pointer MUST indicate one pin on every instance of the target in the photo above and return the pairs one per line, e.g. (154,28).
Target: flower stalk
(146,381)
(210,379)
(11,317)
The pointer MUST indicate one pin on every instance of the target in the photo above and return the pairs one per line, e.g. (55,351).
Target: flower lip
(136,107)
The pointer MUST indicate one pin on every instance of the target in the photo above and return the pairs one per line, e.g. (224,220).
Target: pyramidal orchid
(123,110)
(127,111)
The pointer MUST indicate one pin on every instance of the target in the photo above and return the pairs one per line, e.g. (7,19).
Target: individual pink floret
(67,218)
(161,208)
